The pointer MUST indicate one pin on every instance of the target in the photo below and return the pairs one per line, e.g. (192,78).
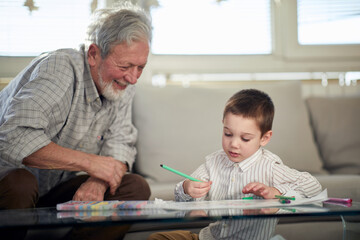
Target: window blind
(191,27)
(328,22)
(54,24)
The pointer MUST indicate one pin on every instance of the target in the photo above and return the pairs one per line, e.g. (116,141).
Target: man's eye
(123,68)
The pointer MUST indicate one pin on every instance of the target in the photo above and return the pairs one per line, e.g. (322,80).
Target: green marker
(284,197)
(247,198)
(180,173)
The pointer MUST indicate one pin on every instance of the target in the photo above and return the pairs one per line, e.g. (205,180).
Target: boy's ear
(265,139)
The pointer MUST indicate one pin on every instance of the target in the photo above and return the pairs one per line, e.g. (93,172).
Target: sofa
(178,126)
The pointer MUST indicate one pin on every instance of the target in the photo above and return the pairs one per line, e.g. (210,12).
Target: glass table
(235,221)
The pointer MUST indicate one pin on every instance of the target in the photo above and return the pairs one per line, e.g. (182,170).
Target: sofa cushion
(179,126)
(341,185)
(336,129)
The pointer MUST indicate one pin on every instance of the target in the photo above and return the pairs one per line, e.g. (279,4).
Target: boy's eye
(245,139)
(227,134)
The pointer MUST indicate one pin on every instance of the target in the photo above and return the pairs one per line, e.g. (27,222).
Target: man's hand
(91,190)
(196,189)
(109,170)
(261,190)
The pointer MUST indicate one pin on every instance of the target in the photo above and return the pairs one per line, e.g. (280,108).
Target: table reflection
(254,228)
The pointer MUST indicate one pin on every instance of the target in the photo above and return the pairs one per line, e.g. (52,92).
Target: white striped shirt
(55,100)
(233,229)
(229,178)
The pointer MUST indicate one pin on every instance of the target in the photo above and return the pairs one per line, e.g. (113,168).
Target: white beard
(108,91)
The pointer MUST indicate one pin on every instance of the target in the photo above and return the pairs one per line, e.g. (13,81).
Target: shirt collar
(250,161)
(91,92)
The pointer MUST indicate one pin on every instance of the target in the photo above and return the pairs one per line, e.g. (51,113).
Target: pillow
(336,126)
(179,126)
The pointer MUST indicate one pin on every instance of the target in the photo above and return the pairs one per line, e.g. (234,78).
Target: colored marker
(285,197)
(339,200)
(247,198)
(289,209)
(180,173)
(284,201)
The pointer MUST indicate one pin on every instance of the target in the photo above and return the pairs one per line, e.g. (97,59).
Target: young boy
(243,167)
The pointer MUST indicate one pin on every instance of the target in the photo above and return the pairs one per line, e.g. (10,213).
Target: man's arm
(92,190)
(53,156)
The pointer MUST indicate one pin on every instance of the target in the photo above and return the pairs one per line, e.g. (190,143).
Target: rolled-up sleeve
(32,117)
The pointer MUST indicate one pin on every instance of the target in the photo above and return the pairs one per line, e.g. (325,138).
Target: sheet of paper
(240,204)
(195,205)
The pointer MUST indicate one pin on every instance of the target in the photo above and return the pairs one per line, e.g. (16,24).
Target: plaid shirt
(55,100)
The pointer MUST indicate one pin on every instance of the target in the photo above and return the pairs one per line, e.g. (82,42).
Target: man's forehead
(135,54)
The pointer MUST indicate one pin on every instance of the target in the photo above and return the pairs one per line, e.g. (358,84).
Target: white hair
(123,23)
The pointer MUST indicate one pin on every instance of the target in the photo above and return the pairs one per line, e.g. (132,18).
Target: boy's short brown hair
(255,104)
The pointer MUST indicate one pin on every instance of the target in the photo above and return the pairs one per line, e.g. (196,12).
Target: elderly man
(69,112)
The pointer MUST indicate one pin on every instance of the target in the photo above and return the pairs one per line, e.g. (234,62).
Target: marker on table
(284,201)
(339,200)
(247,198)
(180,173)
(284,197)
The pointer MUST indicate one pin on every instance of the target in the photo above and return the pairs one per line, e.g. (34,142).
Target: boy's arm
(180,195)
(288,180)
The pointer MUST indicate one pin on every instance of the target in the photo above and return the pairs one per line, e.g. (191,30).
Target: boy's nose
(235,143)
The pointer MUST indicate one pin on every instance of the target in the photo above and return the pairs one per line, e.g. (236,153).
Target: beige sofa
(180,126)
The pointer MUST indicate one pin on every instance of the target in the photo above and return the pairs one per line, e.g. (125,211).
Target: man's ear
(93,54)
(265,139)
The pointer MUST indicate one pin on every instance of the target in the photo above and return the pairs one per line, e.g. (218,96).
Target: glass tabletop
(45,217)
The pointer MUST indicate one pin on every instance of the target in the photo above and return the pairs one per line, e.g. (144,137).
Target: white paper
(238,204)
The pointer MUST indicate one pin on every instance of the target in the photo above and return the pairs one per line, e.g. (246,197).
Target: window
(42,25)
(328,22)
(212,27)
(201,36)
(286,54)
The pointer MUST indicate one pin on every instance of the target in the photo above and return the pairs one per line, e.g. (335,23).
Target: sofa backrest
(179,126)
(336,126)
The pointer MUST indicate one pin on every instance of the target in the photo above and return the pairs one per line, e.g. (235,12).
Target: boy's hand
(261,190)
(196,189)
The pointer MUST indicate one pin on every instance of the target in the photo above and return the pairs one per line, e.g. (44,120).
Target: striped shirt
(229,178)
(233,229)
(54,99)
